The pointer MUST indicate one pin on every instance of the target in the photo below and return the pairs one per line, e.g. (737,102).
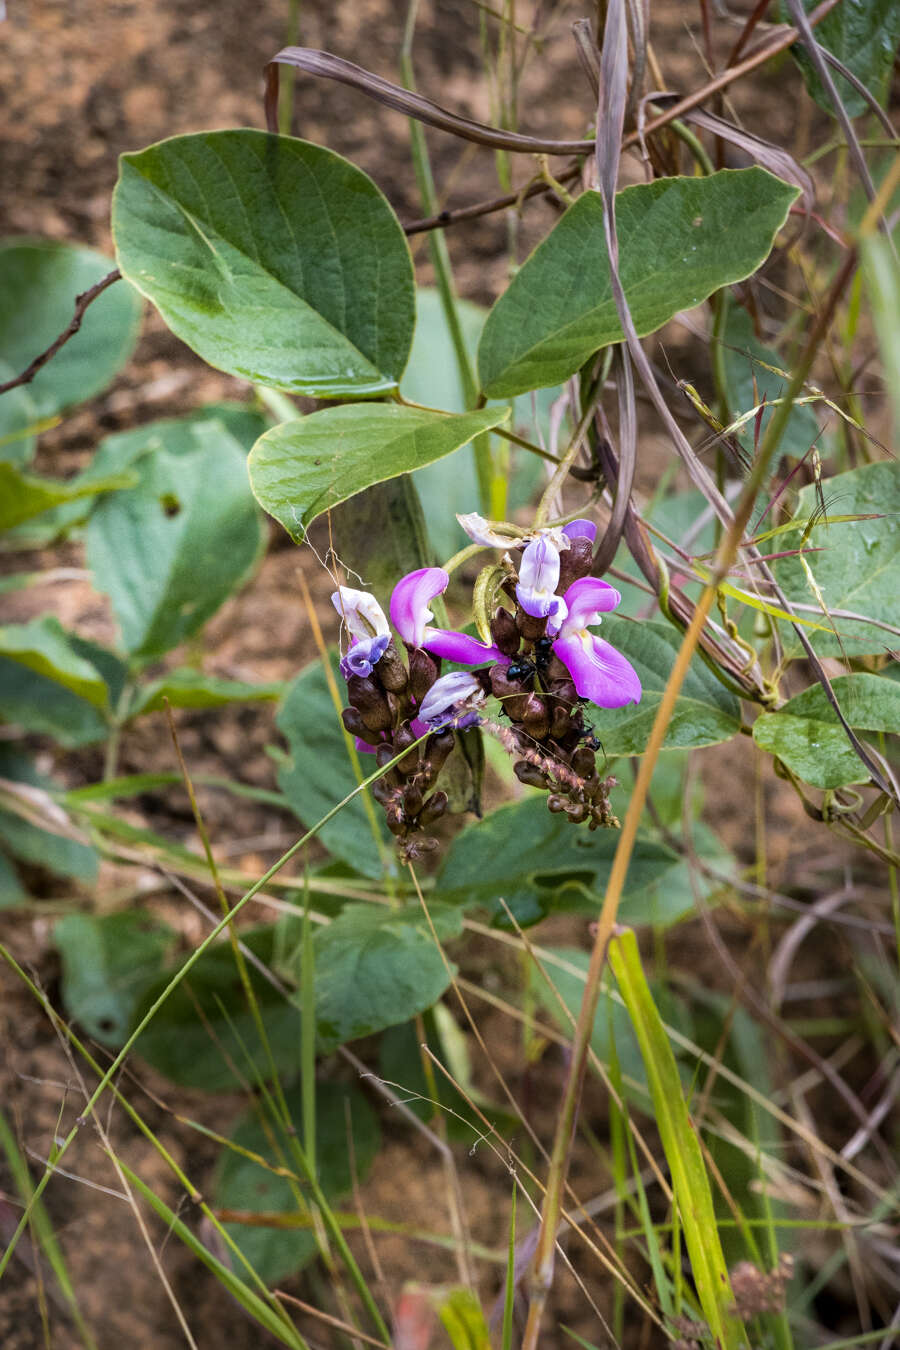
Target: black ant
(521,669)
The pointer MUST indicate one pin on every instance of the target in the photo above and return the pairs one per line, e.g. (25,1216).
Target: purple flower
(538,580)
(370,635)
(581,529)
(411,617)
(445,703)
(600,673)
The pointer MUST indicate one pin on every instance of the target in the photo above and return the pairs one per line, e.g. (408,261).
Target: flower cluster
(542,665)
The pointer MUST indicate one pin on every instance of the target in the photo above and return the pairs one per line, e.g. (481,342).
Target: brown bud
(504,632)
(419,848)
(555,670)
(576,813)
(535,717)
(530,774)
(584,762)
(369,698)
(556,803)
(403,739)
(509,692)
(356,726)
(391,671)
(560,721)
(575,562)
(396,821)
(438,749)
(423,672)
(433,809)
(383,791)
(412,800)
(384,754)
(529,626)
(564,690)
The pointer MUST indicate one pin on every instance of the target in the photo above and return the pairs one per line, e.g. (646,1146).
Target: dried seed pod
(370,701)
(535,717)
(433,809)
(352,720)
(505,632)
(575,562)
(423,671)
(529,625)
(391,671)
(530,775)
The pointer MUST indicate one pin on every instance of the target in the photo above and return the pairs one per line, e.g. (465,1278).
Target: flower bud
(438,749)
(509,692)
(584,762)
(530,774)
(433,809)
(396,820)
(369,699)
(403,739)
(391,671)
(412,800)
(504,631)
(560,721)
(556,803)
(535,717)
(423,671)
(529,625)
(575,562)
(419,848)
(356,726)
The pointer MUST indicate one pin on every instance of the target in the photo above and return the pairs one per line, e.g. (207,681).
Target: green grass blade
(690,1182)
(509,1292)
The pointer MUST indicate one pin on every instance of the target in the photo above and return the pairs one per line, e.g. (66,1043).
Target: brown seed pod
(535,717)
(529,626)
(391,671)
(509,693)
(433,809)
(505,632)
(404,737)
(352,720)
(370,701)
(423,671)
(530,774)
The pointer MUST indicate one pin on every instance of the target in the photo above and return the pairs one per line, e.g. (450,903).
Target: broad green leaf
(859,562)
(241,1183)
(107,963)
(690,1181)
(540,864)
(204,1035)
(194,689)
(39,704)
(450,486)
(611,1021)
(18,412)
(28,842)
(678,242)
(319,772)
(374,968)
(806,735)
(746,360)
(39,281)
(300,469)
(46,648)
(12,892)
(24,495)
(274,259)
(705,711)
(169,551)
(863,34)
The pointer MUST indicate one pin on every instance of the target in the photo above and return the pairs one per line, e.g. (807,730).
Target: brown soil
(80,83)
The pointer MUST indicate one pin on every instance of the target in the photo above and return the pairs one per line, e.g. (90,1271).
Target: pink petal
(409,603)
(586,599)
(600,673)
(455,646)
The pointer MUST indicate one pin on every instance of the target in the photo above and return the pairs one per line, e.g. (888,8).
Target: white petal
(361,612)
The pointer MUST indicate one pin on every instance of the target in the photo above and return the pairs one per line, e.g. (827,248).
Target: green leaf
(374,968)
(274,259)
(169,551)
(806,735)
(37,703)
(705,712)
(194,689)
(319,772)
(39,280)
(863,34)
(46,648)
(462,1319)
(107,963)
(24,495)
(747,360)
(857,568)
(18,413)
(690,1181)
(540,864)
(244,1184)
(300,469)
(611,1021)
(204,1035)
(882,278)
(450,486)
(28,842)
(12,892)
(677,244)
(380,534)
